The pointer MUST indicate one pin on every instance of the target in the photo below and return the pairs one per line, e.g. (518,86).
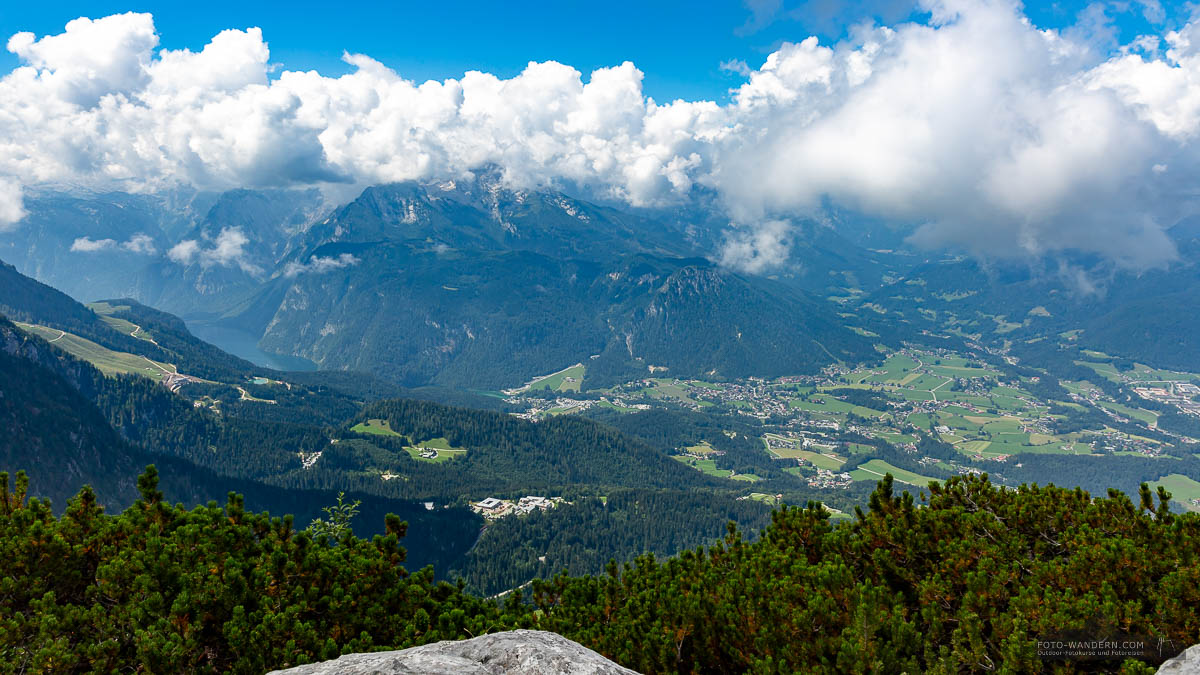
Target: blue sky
(678,45)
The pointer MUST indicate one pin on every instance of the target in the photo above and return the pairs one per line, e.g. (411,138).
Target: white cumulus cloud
(759,248)
(138,243)
(12,206)
(320,265)
(227,249)
(89,245)
(184,252)
(975,127)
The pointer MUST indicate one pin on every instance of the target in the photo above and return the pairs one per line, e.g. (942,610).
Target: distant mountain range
(474,285)
(459,284)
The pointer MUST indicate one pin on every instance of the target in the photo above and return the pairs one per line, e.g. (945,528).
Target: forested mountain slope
(492,285)
(29,300)
(58,435)
(64,439)
(582,537)
(503,455)
(139,329)
(289,445)
(1145,315)
(53,431)
(416,313)
(298,434)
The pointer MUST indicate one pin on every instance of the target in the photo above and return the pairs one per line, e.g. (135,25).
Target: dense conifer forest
(581,537)
(968,580)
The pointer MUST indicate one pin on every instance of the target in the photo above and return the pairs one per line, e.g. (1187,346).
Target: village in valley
(814,425)
(935,412)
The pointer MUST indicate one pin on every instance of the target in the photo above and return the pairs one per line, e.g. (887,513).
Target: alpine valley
(753,337)
(540,383)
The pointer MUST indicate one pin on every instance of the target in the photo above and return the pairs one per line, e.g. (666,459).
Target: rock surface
(529,652)
(1187,663)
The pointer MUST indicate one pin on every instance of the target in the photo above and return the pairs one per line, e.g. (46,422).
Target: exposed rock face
(529,652)
(1187,663)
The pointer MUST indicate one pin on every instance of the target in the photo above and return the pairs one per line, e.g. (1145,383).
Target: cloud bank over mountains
(975,126)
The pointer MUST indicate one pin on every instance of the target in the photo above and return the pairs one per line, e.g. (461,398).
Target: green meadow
(373,426)
(1182,489)
(877,468)
(106,360)
(446,452)
(567,379)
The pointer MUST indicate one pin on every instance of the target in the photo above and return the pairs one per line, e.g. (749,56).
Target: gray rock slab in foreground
(1187,663)
(528,652)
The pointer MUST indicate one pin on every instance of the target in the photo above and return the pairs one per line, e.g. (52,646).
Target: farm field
(105,311)
(913,394)
(1105,370)
(821,460)
(1144,373)
(877,468)
(1183,490)
(973,447)
(373,426)
(709,467)
(665,388)
(896,370)
(445,451)
(828,404)
(895,438)
(106,360)
(567,379)
(1082,387)
(962,371)
(920,420)
(1136,413)
(126,327)
(619,408)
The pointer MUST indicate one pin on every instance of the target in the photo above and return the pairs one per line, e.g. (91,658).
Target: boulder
(529,652)
(1187,663)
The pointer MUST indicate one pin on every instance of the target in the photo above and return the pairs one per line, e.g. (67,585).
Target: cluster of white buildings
(828,479)
(622,403)
(1178,394)
(539,408)
(493,508)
